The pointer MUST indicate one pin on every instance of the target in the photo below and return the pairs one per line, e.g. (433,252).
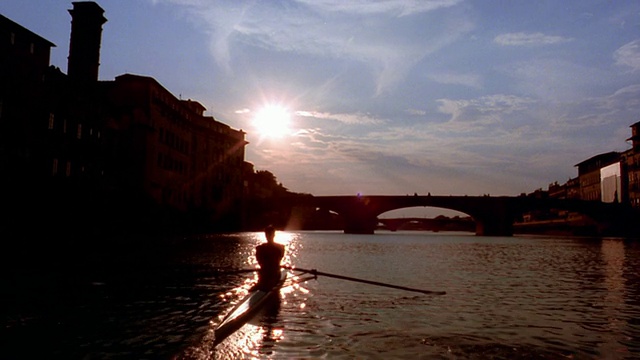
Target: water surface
(507,297)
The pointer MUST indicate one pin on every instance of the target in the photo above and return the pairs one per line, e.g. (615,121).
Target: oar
(316,272)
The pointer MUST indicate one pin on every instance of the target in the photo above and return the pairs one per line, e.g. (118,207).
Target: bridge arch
(360,213)
(494,215)
(426,218)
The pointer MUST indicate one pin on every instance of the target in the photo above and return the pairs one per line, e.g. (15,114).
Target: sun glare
(272,121)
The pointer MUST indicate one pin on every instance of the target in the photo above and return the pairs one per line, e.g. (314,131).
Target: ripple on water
(520,297)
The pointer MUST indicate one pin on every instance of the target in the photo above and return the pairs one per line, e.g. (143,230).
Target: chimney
(84,48)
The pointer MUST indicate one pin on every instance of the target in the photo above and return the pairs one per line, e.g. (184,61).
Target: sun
(272,121)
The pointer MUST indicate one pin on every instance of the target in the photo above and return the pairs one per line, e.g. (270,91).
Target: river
(506,297)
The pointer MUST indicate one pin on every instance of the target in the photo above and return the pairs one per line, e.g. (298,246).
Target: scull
(253,302)
(246,309)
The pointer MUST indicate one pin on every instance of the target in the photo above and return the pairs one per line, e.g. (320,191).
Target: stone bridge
(493,215)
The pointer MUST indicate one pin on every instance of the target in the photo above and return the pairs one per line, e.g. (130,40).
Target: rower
(269,255)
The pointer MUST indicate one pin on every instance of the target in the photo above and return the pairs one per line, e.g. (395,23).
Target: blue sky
(387,97)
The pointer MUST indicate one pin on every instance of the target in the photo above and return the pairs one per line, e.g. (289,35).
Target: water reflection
(616,266)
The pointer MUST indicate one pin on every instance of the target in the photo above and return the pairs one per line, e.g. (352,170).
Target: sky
(388,97)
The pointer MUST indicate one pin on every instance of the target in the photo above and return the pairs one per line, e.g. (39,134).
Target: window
(79,135)
(68,172)
(13,38)
(55,167)
(31,48)
(51,122)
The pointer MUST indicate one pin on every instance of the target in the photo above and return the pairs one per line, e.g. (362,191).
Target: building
(589,176)
(573,188)
(24,60)
(632,163)
(76,143)
(557,191)
(611,189)
(183,159)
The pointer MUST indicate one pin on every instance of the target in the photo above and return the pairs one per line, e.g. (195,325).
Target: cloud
(356,118)
(416,112)
(517,142)
(522,39)
(628,55)
(385,41)
(470,80)
(557,80)
(485,110)
(367,7)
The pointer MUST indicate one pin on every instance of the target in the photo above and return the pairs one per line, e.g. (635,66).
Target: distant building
(573,188)
(611,188)
(589,175)
(557,191)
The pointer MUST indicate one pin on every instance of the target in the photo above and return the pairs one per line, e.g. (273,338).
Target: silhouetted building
(557,191)
(181,158)
(218,162)
(84,46)
(75,144)
(24,59)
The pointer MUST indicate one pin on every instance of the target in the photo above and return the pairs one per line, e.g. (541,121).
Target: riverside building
(74,141)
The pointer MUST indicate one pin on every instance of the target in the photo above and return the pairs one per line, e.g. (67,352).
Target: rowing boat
(256,299)
(246,309)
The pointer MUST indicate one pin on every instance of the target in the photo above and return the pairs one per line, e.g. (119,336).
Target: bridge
(493,215)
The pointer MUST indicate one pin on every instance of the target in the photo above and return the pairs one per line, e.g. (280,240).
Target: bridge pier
(494,226)
(359,221)
(360,225)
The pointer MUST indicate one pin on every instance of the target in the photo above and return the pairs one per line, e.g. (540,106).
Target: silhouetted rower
(269,256)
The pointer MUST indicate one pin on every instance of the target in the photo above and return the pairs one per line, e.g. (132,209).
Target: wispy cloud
(521,39)
(486,110)
(470,80)
(399,7)
(331,29)
(356,118)
(556,80)
(629,55)
(416,112)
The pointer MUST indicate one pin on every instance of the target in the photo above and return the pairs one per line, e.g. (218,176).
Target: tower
(84,47)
